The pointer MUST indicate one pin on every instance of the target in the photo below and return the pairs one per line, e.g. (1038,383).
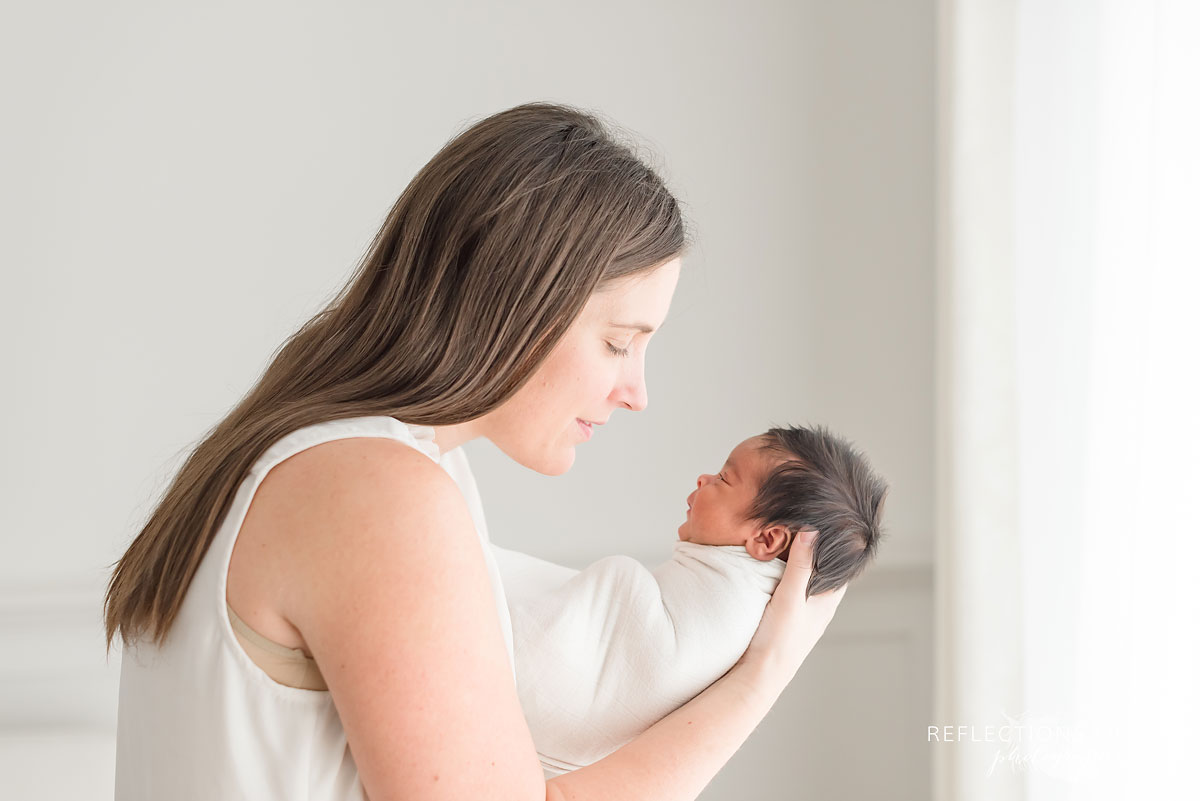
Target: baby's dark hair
(826,484)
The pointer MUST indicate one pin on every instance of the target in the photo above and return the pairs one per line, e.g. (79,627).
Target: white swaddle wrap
(603,653)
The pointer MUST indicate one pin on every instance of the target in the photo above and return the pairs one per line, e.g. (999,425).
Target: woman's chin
(548,461)
(553,464)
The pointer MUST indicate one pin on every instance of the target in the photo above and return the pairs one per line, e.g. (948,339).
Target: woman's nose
(702,480)
(631,392)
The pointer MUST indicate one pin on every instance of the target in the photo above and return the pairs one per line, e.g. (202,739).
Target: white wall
(184,185)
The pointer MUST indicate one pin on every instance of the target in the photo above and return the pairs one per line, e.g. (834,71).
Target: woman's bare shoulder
(319,506)
(277,528)
(332,495)
(390,590)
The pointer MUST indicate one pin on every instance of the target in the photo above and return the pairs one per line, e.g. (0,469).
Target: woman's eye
(617,351)
(722,477)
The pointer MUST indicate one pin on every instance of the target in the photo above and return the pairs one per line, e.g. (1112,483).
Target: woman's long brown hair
(479,268)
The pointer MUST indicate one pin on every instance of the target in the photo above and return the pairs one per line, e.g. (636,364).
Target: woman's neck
(447,438)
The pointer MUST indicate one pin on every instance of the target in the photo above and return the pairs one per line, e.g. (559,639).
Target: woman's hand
(792,624)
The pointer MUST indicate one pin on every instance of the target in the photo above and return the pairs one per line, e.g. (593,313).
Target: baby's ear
(770,543)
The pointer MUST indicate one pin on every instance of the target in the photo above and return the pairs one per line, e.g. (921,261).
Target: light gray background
(184,184)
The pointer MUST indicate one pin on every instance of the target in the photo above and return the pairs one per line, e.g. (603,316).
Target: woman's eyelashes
(617,351)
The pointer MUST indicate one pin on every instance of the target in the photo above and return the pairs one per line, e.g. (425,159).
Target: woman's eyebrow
(645,329)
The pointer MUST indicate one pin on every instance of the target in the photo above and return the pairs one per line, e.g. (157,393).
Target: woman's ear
(770,543)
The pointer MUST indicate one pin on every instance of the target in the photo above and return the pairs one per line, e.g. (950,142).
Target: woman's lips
(585,427)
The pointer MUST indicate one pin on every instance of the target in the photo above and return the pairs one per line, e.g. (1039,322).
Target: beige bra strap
(287,666)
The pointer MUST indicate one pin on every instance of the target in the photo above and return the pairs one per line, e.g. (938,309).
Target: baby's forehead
(752,446)
(754,453)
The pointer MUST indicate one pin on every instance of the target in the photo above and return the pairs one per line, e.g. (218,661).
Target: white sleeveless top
(198,719)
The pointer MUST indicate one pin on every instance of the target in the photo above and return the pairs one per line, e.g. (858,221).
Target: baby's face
(717,508)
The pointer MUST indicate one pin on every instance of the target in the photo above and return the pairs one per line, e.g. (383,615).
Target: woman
(330,521)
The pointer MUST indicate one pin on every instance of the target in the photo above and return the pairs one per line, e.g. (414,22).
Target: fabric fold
(604,652)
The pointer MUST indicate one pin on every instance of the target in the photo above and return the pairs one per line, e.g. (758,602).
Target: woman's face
(598,366)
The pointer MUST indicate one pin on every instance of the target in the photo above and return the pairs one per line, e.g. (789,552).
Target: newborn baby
(603,653)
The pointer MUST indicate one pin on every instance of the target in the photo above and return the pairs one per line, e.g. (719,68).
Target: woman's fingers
(798,570)
(791,623)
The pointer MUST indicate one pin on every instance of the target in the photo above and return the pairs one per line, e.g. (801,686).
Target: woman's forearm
(676,758)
